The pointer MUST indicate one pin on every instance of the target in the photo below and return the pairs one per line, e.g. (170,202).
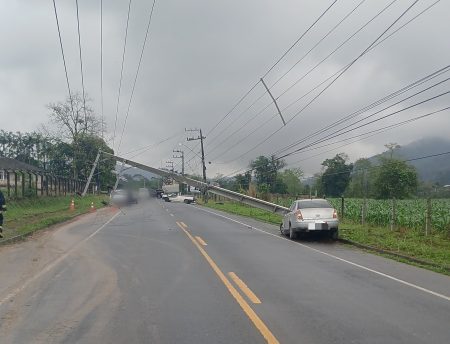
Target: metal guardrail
(235,196)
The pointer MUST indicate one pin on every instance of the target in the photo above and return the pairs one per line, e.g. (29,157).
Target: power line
(101,66)
(358,112)
(299,39)
(320,41)
(137,72)
(153,145)
(376,103)
(63,56)
(370,133)
(379,130)
(338,47)
(314,67)
(373,121)
(378,166)
(335,79)
(271,68)
(81,60)
(121,70)
(377,44)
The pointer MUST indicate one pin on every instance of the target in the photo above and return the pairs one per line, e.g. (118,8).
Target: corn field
(408,213)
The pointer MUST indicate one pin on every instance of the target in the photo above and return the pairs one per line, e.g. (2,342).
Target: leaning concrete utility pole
(201,138)
(86,187)
(182,164)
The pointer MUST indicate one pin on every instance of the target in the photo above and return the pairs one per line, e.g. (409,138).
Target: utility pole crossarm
(274,101)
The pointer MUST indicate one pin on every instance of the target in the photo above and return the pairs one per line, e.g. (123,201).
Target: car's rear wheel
(282,229)
(334,234)
(292,233)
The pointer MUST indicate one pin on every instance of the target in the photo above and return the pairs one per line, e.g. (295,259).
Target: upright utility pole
(182,165)
(201,138)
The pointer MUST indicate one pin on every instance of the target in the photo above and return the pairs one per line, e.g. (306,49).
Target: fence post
(428,217)
(29,183)
(342,208)
(23,183)
(8,182)
(15,184)
(393,214)
(364,210)
(36,184)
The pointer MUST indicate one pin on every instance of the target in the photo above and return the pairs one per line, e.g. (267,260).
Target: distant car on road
(310,215)
(182,198)
(143,193)
(122,197)
(173,197)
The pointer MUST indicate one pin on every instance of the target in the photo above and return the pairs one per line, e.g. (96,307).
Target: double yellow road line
(254,318)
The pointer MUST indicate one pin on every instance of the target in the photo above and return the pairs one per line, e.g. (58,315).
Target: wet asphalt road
(174,273)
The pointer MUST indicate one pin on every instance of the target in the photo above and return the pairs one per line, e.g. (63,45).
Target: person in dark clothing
(2,209)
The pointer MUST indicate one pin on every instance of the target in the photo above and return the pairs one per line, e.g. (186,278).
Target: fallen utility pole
(236,196)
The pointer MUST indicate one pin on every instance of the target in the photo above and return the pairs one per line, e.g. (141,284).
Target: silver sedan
(309,215)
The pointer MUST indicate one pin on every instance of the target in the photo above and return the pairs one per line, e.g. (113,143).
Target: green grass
(244,210)
(434,248)
(28,215)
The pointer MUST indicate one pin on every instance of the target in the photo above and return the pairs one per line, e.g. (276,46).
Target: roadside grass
(433,248)
(243,210)
(25,216)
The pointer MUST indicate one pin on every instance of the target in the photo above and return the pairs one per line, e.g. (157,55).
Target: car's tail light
(335,214)
(298,215)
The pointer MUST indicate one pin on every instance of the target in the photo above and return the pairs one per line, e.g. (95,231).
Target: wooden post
(428,217)
(364,211)
(29,183)
(393,214)
(36,184)
(342,208)
(15,184)
(23,184)
(8,182)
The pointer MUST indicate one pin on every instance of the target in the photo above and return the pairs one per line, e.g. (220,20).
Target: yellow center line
(246,290)
(259,324)
(201,241)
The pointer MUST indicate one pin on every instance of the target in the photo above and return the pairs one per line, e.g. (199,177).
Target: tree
(362,179)
(243,181)
(395,178)
(89,146)
(266,170)
(73,120)
(291,178)
(391,148)
(336,176)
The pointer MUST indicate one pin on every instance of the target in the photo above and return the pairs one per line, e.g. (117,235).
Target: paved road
(174,273)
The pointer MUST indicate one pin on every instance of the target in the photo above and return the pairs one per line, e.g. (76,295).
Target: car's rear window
(314,204)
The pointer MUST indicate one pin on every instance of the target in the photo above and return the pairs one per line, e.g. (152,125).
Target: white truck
(171,188)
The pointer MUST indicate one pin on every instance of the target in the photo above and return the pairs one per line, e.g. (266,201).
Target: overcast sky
(202,56)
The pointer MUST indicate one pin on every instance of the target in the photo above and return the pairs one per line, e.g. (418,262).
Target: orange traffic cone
(92,207)
(72,205)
